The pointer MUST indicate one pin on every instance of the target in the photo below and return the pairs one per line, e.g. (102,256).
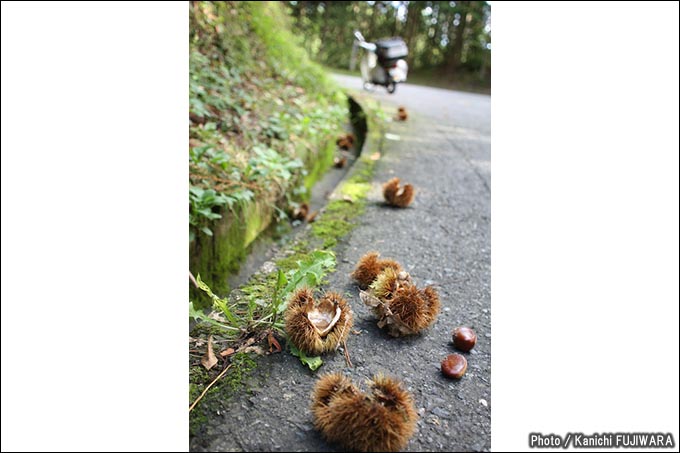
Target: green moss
(290,262)
(215,257)
(197,419)
(198,379)
(242,366)
(337,218)
(319,163)
(197,374)
(204,330)
(331,230)
(356,190)
(301,246)
(261,286)
(194,392)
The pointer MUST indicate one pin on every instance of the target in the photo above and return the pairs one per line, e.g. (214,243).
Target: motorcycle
(383,62)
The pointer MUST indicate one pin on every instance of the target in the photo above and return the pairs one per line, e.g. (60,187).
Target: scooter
(383,62)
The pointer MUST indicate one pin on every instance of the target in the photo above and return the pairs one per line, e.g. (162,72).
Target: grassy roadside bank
(263,124)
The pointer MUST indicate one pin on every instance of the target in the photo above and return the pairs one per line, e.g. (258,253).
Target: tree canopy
(447,39)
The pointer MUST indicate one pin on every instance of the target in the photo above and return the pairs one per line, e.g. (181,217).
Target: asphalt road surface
(442,239)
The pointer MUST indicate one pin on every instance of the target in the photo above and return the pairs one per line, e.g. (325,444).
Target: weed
(261,308)
(260,111)
(201,205)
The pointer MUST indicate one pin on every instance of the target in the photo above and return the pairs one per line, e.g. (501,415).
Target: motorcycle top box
(391,49)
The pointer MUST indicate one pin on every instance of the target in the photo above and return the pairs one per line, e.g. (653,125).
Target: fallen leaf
(347,198)
(312,217)
(273,343)
(395,325)
(227,352)
(369,299)
(375,156)
(209,360)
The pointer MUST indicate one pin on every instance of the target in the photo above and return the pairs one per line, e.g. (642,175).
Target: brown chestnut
(454,366)
(464,338)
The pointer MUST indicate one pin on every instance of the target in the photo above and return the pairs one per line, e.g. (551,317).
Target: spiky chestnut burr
(349,137)
(382,420)
(300,298)
(300,212)
(339,162)
(345,141)
(400,305)
(398,196)
(369,266)
(388,282)
(328,387)
(433,303)
(319,326)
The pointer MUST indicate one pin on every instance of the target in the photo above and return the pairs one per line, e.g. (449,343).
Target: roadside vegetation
(249,320)
(263,120)
(263,124)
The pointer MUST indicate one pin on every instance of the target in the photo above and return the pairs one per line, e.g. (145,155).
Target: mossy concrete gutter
(347,201)
(335,220)
(216,257)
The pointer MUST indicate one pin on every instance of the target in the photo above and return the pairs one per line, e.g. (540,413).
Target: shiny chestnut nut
(464,338)
(454,366)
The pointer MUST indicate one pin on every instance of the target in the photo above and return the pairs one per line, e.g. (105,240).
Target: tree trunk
(412,24)
(459,35)
(437,26)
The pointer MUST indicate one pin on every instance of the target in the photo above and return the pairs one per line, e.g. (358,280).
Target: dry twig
(347,359)
(193,280)
(208,387)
